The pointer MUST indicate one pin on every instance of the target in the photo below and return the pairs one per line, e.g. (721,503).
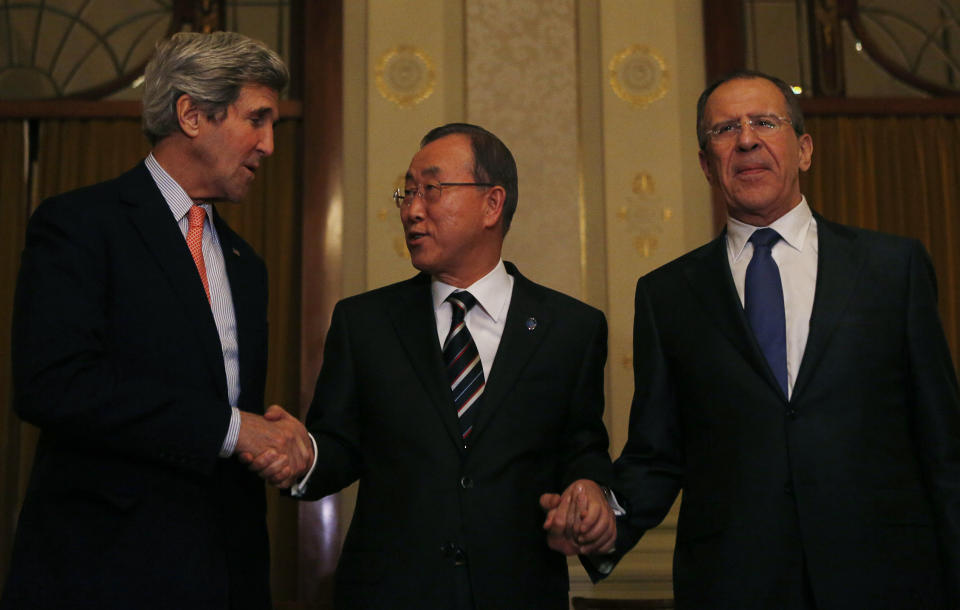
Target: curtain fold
(14,210)
(896,174)
(75,152)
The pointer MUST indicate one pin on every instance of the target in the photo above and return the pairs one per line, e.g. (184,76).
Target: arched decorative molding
(89,51)
(870,22)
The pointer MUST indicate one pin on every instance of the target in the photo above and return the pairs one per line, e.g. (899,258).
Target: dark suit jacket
(857,476)
(383,413)
(116,358)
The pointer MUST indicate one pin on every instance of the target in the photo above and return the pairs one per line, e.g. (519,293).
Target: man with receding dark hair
(793,379)
(457,398)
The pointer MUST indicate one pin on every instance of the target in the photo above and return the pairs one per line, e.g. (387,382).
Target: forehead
(448,156)
(258,98)
(744,97)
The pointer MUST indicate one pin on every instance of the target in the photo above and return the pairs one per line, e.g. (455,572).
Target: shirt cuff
(300,488)
(618,511)
(230,442)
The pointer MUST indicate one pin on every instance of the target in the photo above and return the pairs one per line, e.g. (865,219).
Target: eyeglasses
(764,126)
(431,193)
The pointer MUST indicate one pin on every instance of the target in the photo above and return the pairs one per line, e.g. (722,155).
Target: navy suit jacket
(116,358)
(855,479)
(431,514)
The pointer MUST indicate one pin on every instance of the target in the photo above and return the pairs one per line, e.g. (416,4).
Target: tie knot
(764,238)
(461,301)
(196,215)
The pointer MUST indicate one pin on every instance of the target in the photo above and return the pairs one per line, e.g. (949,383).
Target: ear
(705,166)
(493,206)
(189,116)
(806,151)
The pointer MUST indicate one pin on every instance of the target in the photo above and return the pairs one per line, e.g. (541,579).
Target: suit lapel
(151,216)
(416,327)
(711,280)
(838,265)
(517,345)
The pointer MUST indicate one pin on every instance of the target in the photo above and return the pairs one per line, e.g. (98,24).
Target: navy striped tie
(464,369)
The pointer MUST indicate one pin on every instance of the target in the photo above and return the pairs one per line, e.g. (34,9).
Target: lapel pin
(236,252)
(531,323)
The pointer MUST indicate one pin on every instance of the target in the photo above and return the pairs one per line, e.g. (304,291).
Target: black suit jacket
(855,479)
(117,359)
(430,512)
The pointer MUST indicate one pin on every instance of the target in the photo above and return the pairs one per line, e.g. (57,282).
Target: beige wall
(609,183)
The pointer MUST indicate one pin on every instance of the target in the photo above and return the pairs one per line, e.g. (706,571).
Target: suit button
(792,413)
(447,549)
(466,482)
(459,556)
(788,489)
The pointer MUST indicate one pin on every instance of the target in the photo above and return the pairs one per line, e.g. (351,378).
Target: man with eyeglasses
(458,398)
(793,379)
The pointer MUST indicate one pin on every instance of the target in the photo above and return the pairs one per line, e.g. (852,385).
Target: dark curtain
(73,153)
(896,174)
(14,210)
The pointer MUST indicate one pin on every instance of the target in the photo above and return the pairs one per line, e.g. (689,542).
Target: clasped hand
(276,446)
(580,521)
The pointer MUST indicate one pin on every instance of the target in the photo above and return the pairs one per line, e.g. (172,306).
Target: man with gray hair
(139,350)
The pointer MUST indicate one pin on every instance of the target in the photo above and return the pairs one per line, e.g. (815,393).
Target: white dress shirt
(485,320)
(796,256)
(221,299)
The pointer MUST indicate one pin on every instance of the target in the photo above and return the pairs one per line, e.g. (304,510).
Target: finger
(557,517)
(263,460)
(549,501)
(246,457)
(603,544)
(597,532)
(272,468)
(275,413)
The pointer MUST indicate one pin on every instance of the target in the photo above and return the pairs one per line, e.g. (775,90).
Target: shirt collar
(792,228)
(491,291)
(176,198)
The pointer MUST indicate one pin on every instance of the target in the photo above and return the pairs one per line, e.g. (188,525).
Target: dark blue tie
(464,369)
(763,296)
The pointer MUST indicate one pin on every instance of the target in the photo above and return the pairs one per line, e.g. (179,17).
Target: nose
(414,212)
(747,139)
(265,144)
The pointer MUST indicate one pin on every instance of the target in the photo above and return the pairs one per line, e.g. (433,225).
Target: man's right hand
(276,446)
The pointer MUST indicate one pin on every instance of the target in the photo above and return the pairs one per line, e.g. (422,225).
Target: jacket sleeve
(936,412)
(650,469)
(333,418)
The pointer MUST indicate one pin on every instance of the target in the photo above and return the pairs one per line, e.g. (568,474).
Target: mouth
(747,171)
(415,237)
(250,167)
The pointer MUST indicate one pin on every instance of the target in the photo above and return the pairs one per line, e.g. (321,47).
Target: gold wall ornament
(641,214)
(638,75)
(405,76)
(643,184)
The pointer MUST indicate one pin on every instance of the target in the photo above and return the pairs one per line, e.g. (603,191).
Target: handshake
(275,445)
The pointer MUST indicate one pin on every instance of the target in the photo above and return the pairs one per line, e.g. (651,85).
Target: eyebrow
(431,171)
(261,112)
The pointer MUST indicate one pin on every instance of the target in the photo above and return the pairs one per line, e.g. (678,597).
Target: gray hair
(211,69)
